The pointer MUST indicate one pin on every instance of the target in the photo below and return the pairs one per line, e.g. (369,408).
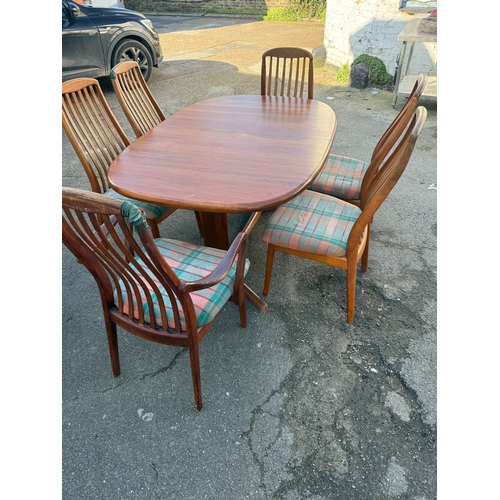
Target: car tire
(132,50)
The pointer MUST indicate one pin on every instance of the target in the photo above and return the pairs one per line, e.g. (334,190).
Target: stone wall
(355,27)
(201,5)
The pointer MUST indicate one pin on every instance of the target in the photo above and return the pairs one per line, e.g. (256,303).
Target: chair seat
(312,222)
(340,177)
(151,211)
(190,263)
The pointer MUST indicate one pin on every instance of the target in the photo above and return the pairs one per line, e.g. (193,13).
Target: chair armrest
(237,249)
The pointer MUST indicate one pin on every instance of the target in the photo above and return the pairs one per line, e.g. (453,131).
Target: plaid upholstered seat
(150,210)
(190,263)
(341,177)
(312,222)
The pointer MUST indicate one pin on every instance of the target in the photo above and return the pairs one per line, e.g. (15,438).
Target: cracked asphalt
(300,404)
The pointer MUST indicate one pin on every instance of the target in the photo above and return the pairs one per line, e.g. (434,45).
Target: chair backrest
(92,129)
(106,235)
(386,177)
(395,130)
(287,72)
(404,114)
(135,98)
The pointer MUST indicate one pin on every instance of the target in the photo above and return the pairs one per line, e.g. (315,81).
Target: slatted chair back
(135,98)
(92,129)
(287,72)
(139,285)
(374,193)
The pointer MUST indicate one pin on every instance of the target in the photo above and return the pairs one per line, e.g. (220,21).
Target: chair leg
(154,228)
(351,290)
(364,257)
(269,269)
(194,359)
(243,314)
(112,345)
(198,221)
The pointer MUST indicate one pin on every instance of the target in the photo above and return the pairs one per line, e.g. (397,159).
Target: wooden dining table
(230,154)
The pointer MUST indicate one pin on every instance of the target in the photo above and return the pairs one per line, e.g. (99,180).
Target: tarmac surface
(300,404)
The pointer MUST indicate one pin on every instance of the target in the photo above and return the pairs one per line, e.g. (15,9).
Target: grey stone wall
(200,5)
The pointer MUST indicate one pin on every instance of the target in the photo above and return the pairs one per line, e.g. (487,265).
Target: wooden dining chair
(322,228)
(138,104)
(342,176)
(162,290)
(135,98)
(287,72)
(98,138)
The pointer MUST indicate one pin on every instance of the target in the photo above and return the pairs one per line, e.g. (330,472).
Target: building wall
(355,27)
(200,5)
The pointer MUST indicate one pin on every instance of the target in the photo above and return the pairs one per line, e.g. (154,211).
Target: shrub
(343,74)
(378,71)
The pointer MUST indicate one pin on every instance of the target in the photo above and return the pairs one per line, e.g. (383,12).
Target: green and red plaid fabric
(312,222)
(190,263)
(340,177)
(150,210)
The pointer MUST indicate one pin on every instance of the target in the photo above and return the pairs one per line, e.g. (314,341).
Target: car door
(82,53)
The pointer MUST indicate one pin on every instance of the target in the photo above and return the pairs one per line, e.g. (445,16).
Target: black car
(96,39)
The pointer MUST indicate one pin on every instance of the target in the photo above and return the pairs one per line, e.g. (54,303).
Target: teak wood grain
(228,154)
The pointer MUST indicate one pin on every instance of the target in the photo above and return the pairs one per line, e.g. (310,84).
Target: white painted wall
(355,27)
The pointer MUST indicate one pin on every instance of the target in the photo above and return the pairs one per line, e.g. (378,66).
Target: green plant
(343,74)
(378,71)
(298,10)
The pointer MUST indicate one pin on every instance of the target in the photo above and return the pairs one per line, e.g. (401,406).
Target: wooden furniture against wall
(287,71)
(404,84)
(98,138)
(325,229)
(165,291)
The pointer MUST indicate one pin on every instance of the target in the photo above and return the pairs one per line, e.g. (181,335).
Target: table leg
(215,232)
(399,73)
(254,299)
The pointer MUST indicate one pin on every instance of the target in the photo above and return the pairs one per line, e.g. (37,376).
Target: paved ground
(299,405)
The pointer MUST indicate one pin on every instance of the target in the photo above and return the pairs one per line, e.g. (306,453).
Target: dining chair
(342,176)
(98,138)
(138,103)
(135,98)
(325,229)
(287,72)
(162,290)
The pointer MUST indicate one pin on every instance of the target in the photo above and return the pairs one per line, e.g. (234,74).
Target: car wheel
(131,50)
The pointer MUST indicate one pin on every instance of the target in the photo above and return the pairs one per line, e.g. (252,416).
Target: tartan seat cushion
(340,177)
(189,262)
(150,210)
(312,222)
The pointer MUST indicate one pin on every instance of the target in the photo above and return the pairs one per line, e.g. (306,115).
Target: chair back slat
(394,133)
(387,175)
(135,98)
(92,129)
(287,72)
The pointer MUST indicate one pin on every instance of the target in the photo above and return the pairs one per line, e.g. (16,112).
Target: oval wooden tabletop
(228,154)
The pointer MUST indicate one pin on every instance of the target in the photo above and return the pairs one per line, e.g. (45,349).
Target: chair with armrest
(287,72)
(162,290)
(98,138)
(325,229)
(342,176)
